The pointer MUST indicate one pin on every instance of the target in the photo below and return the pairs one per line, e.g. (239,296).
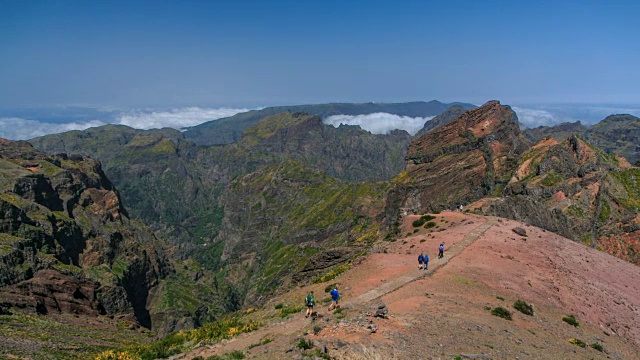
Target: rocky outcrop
(576,190)
(463,161)
(446,117)
(66,243)
(616,134)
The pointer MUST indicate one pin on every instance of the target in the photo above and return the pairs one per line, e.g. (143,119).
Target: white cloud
(380,123)
(22,129)
(535,117)
(175,118)
(16,128)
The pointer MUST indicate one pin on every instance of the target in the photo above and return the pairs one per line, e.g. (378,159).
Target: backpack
(334,294)
(420,258)
(426,258)
(309,300)
(441,247)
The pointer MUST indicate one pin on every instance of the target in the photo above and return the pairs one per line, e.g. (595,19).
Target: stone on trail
(520,231)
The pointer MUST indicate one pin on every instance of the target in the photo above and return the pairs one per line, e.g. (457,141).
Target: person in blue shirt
(335,297)
(426,261)
(441,251)
(420,261)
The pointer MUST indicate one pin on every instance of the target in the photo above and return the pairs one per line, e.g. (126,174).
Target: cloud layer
(535,117)
(380,123)
(175,118)
(16,128)
(22,129)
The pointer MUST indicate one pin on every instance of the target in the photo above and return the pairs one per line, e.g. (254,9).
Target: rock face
(616,134)
(481,161)
(576,190)
(462,161)
(446,117)
(66,243)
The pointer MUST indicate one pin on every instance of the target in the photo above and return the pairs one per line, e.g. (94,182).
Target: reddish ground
(445,314)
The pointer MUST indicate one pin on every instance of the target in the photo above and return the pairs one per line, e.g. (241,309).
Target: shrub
(430,225)
(263,342)
(317,329)
(422,240)
(500,298)
(415,230)
(578,342)
(501,312)
(330,287)
(571,320)
(305,344)
(236,354)
(286,311)
(419,222)
(428,217)
(198,358)
(523,307)
(597,347)
(279,306)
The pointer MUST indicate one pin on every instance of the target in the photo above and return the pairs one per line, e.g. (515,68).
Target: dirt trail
(296,323)
(401,281)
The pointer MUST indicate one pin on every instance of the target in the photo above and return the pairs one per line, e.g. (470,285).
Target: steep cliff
(66,243)
(461,162)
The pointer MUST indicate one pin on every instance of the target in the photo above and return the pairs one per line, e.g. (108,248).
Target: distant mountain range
(229,130)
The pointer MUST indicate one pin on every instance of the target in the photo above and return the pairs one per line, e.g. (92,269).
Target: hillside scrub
(182,341)
(523,307)
(501,312)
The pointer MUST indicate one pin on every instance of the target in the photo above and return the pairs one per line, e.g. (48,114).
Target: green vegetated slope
(181,191)
(618,134)
(231,129)
(68,247)
(289,223)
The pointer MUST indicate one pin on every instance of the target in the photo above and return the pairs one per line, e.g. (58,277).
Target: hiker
(309,301)
(335,297)
(426,261)
(441,251)
(420,261)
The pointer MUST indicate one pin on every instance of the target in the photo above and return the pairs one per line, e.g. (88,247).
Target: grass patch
(332,274)
(430,225)
(263,342)
(184,340)
(422,240)
(279,306)
(501,312)
(286,311)
(305,344)
(463,281)
(500,298)
(571,320)
(523,307)
(597,347)
(552,178)
(578,342)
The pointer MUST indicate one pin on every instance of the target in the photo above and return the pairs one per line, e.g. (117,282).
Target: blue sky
(252,53)
(246,54)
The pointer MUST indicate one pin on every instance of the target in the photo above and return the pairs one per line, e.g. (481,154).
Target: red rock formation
(464,160)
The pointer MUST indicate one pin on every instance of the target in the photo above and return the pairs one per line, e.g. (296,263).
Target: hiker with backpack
(310,301)
(426,261)
(335,297)
(420,261)
(441,251)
